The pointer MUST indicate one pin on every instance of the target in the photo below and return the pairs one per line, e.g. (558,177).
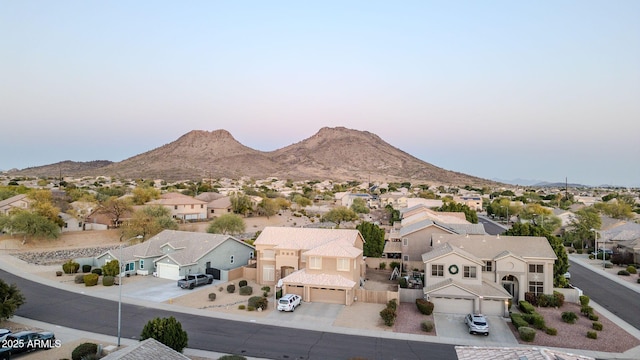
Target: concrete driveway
(157,290)
(309,313)
(453,327)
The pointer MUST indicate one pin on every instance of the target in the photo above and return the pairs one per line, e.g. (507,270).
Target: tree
(12,299)
(340,214)
(42,205)
(227,224)
(116,208)
(167,331)
(31,225)
(149,221)
(301,201)
(374,239)
(561,264)
(360,206)
(585,220)
(452,206)
(144,194)
(240,203)
(268,207)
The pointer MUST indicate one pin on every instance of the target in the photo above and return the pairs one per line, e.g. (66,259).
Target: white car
(289,302)
(477,324)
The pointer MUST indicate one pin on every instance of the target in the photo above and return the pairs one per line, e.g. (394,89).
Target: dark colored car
(25,341)
(5,353)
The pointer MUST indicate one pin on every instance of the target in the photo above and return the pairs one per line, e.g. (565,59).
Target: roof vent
(498,236)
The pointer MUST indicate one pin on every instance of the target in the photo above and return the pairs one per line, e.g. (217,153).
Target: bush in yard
(212,296)
(251,308)
(242,283)
(623,273)
(79,279)
(241,307)
(86,268)
(393,304)
(608,265)
(632,269)
(584,300)
(246,290)
(383,265)
(518,321)
(569,317)
(258,302)
(58,273)
(526,333)
(586,310)
(70,267)
(535,319)
(592,334)
(394,264)
(425,307)
(97,271)
(559,299)
(266,289)
(388,315)
(112,268)
(403,283)
(427,326)
(167,331)
(107,280)
(597,326)
(231,288)
(638,281)
(526,307)
(531,298)
(593,317)
(83,350)
(90,279)
(551,331)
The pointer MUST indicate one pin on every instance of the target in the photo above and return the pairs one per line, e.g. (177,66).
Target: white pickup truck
(192,280)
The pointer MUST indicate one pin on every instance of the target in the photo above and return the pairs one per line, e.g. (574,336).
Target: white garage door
(452,305)
(168,271)
(492,307)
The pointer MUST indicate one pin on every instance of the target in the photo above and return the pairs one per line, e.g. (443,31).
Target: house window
(536,287)
(405,257)
(536,268)
(175,207)
(192,206)
(251,255)
(141,264)
(231,259)
(488,266)
(130,266)
(469,272)
(268,273)
(208,265)
(201,206)
(315,262)
(66,225)
(405,242)
(437,270)
(343,264)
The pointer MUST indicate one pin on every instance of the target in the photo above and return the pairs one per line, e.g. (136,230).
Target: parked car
(477,324)
(608,252)
(25,341)
(289,302)
(567,275)
(5,353)
(4,333)
(192,280)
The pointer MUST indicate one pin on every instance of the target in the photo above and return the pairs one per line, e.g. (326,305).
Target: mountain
(332,153)
(61,168)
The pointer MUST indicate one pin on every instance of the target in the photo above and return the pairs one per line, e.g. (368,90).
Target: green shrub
(167,331)
(592,334)
(90,279)
(245,290)
(623,273)
(383,265)
(551,331)
(251,308)
(242,307)
(558,299)
(388,316)
(258,302)
(278,294)
(638,281)
(526,307)
(212,296)
(403,283)
(608,265)
(112,268)
(584,300)
(58,273)
(86,268)
(97,271)
(586,310)
(591,256)
(242,283)
(266,289)
(108,280)
(526,333)
(597,326)
(231,288)
(593,317)
(83,350)
(70,267)
(427,326)
(425,307)
(393,304)
(232,357)
(569,317)
(518,321)
(535,319)
(394,264)
(632,269)
(79,279)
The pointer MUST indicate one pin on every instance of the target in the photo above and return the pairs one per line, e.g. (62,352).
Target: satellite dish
(279,283)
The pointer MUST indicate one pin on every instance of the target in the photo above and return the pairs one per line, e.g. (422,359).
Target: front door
(510,283)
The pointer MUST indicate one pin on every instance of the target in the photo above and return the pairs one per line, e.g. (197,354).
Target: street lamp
(120,261)
(595,241)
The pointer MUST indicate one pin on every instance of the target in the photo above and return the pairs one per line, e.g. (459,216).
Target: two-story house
(182,207)
(321,265)
(480,273)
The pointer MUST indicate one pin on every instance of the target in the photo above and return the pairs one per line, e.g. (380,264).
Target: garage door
(168,271)
(452,305)
(330,296)
(492,307)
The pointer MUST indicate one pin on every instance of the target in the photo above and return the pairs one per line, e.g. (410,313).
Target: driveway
(309,313)
(157,290)
(453,327)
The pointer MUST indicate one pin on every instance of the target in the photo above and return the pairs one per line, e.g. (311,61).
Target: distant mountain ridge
(332,153)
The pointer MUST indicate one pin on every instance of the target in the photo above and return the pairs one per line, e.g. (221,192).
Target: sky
(544,90)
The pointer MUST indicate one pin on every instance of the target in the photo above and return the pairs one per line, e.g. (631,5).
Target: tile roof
(176,199)
(339,248)
(476,229)
(323,280)
(488,289)
(149,349)
(447,248)
(393,247)
(304,238)
(528,353)
(13,199)
(489,246)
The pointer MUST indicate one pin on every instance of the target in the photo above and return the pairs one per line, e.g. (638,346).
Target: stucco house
(20,201)
(321,265)
(182,207)
(480,273)
(173,254)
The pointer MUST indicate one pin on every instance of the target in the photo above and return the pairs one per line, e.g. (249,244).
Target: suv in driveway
(289,302)
(477,324)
